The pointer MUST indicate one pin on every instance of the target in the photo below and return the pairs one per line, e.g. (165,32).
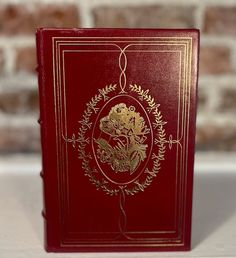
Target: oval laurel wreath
(83,140)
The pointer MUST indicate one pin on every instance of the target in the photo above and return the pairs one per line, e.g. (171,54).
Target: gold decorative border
(184,134)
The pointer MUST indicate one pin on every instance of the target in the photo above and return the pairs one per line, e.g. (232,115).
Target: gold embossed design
(158,125)
(128,130)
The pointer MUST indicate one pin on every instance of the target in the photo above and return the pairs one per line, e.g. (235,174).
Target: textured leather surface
(117,112)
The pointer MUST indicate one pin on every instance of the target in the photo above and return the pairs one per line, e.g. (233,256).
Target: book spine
(41,90)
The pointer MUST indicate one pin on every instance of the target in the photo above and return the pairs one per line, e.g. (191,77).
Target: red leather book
(117,115)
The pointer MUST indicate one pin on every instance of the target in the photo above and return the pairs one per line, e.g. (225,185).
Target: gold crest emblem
(127,129)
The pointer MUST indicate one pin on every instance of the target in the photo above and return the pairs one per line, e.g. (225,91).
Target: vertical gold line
(184,143)
(185,154)
(181,137)
(61,162)
(65,124)
(177,137)
(56,127)
(186,162)
(183,148)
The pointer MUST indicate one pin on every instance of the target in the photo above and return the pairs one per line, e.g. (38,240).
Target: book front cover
(118,126)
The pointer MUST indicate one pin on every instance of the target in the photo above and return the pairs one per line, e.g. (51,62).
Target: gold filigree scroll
(83,140)
(128,130)
(158,125)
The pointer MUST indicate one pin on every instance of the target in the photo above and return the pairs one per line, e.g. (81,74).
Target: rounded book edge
(43,214)
(41,174)
(39,121)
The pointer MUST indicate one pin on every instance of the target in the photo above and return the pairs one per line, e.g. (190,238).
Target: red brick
(215,60)
(202,99)
(23,19)
(144,16)
(19,102)
(1,61)
(220,20)
(216,138)
(228,101)
(58,15)
(26,59)
(19,139)
(32,102)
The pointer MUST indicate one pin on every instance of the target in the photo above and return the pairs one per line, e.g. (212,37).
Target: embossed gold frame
(181,139)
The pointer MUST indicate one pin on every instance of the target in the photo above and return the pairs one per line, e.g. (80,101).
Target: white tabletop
(214,214)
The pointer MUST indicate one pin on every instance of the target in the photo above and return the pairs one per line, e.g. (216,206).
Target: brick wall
(216,123)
